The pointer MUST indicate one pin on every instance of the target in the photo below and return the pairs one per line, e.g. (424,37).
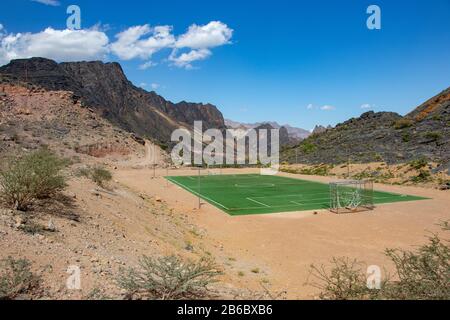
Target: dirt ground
(279,248)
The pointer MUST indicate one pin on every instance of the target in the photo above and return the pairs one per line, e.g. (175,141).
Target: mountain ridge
(105,88)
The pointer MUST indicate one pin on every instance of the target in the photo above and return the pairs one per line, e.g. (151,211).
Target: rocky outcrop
(383,136)
(105,88)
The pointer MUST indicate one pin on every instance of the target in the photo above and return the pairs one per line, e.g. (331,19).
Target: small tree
(34,176)
(169,278)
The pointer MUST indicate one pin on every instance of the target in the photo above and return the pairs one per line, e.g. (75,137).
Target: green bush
(101,176)
(16,278)
(169,278)
(34,176)
(423,274)
(308,147)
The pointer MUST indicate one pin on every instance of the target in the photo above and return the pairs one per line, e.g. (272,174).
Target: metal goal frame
(351,196)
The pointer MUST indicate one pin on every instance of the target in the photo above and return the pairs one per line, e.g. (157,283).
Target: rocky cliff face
(383,136)
(105,88)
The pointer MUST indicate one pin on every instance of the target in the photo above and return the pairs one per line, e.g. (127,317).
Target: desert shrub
(403,123)
(418,163)
(406,137)
(308,147)
(34,176)
(101,176)
(16,278)
(423,176)
(169,278)
(423,274)
(433,136)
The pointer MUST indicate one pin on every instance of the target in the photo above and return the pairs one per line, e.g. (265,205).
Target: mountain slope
(383,136)
(105,88)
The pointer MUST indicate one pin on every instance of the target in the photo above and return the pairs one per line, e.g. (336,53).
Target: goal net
(351,196)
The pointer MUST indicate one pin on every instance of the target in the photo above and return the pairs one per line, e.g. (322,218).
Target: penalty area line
(263,204)
(198,194)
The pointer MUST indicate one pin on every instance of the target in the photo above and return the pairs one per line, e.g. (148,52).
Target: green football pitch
(244,194)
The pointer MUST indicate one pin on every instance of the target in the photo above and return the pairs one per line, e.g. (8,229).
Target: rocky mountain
(293,132)
(105,88)
(383,136)
(320,129)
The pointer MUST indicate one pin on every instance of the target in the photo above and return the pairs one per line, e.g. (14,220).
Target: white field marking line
(298,203)
(191,178)
(198,194)
(263,204)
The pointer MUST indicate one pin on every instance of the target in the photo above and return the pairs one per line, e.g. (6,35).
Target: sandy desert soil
(283,246)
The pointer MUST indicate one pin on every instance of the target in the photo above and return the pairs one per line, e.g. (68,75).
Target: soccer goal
(351,196)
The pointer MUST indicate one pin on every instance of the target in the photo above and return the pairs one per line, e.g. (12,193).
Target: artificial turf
(244,194)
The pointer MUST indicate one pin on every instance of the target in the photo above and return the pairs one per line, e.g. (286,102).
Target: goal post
(351,196)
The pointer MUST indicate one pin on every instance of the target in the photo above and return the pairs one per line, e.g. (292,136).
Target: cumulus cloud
(142,41)
(60,45)
(366,106)
(211,35)
(155,86)
(327,108)
(185,59)
(147,65)
(137,42)
(54,3)
(309,106)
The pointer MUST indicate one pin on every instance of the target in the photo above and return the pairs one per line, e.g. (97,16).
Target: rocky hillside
(105,88)
(383,136)
(294,133)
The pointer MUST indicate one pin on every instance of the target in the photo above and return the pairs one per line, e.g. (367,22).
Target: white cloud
(185,59)
(132,42)
(211,35)
(327,108)
(366,106)
(48,2)
(137,42)
(309,106)
(59,45)
(147,65)
(155,86)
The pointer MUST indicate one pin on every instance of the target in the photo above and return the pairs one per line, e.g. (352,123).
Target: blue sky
(297,62)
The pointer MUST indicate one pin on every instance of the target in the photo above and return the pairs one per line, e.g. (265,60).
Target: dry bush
(16,278)
(101,176)
(169,278)
(34,176)
(423,274)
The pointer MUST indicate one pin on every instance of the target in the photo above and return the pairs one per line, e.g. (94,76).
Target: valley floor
(280,248)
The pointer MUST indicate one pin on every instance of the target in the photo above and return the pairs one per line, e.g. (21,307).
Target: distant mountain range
(104,89)
(293,132)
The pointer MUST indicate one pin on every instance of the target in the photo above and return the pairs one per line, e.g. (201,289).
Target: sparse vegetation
(16,278)
(101,176)
(423,176)
(169,278)
(308,147)
(418,163)
(423,274)
(403,123)
(433,136)
(34,176)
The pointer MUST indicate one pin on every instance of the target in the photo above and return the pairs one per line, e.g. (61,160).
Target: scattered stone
(50,226)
